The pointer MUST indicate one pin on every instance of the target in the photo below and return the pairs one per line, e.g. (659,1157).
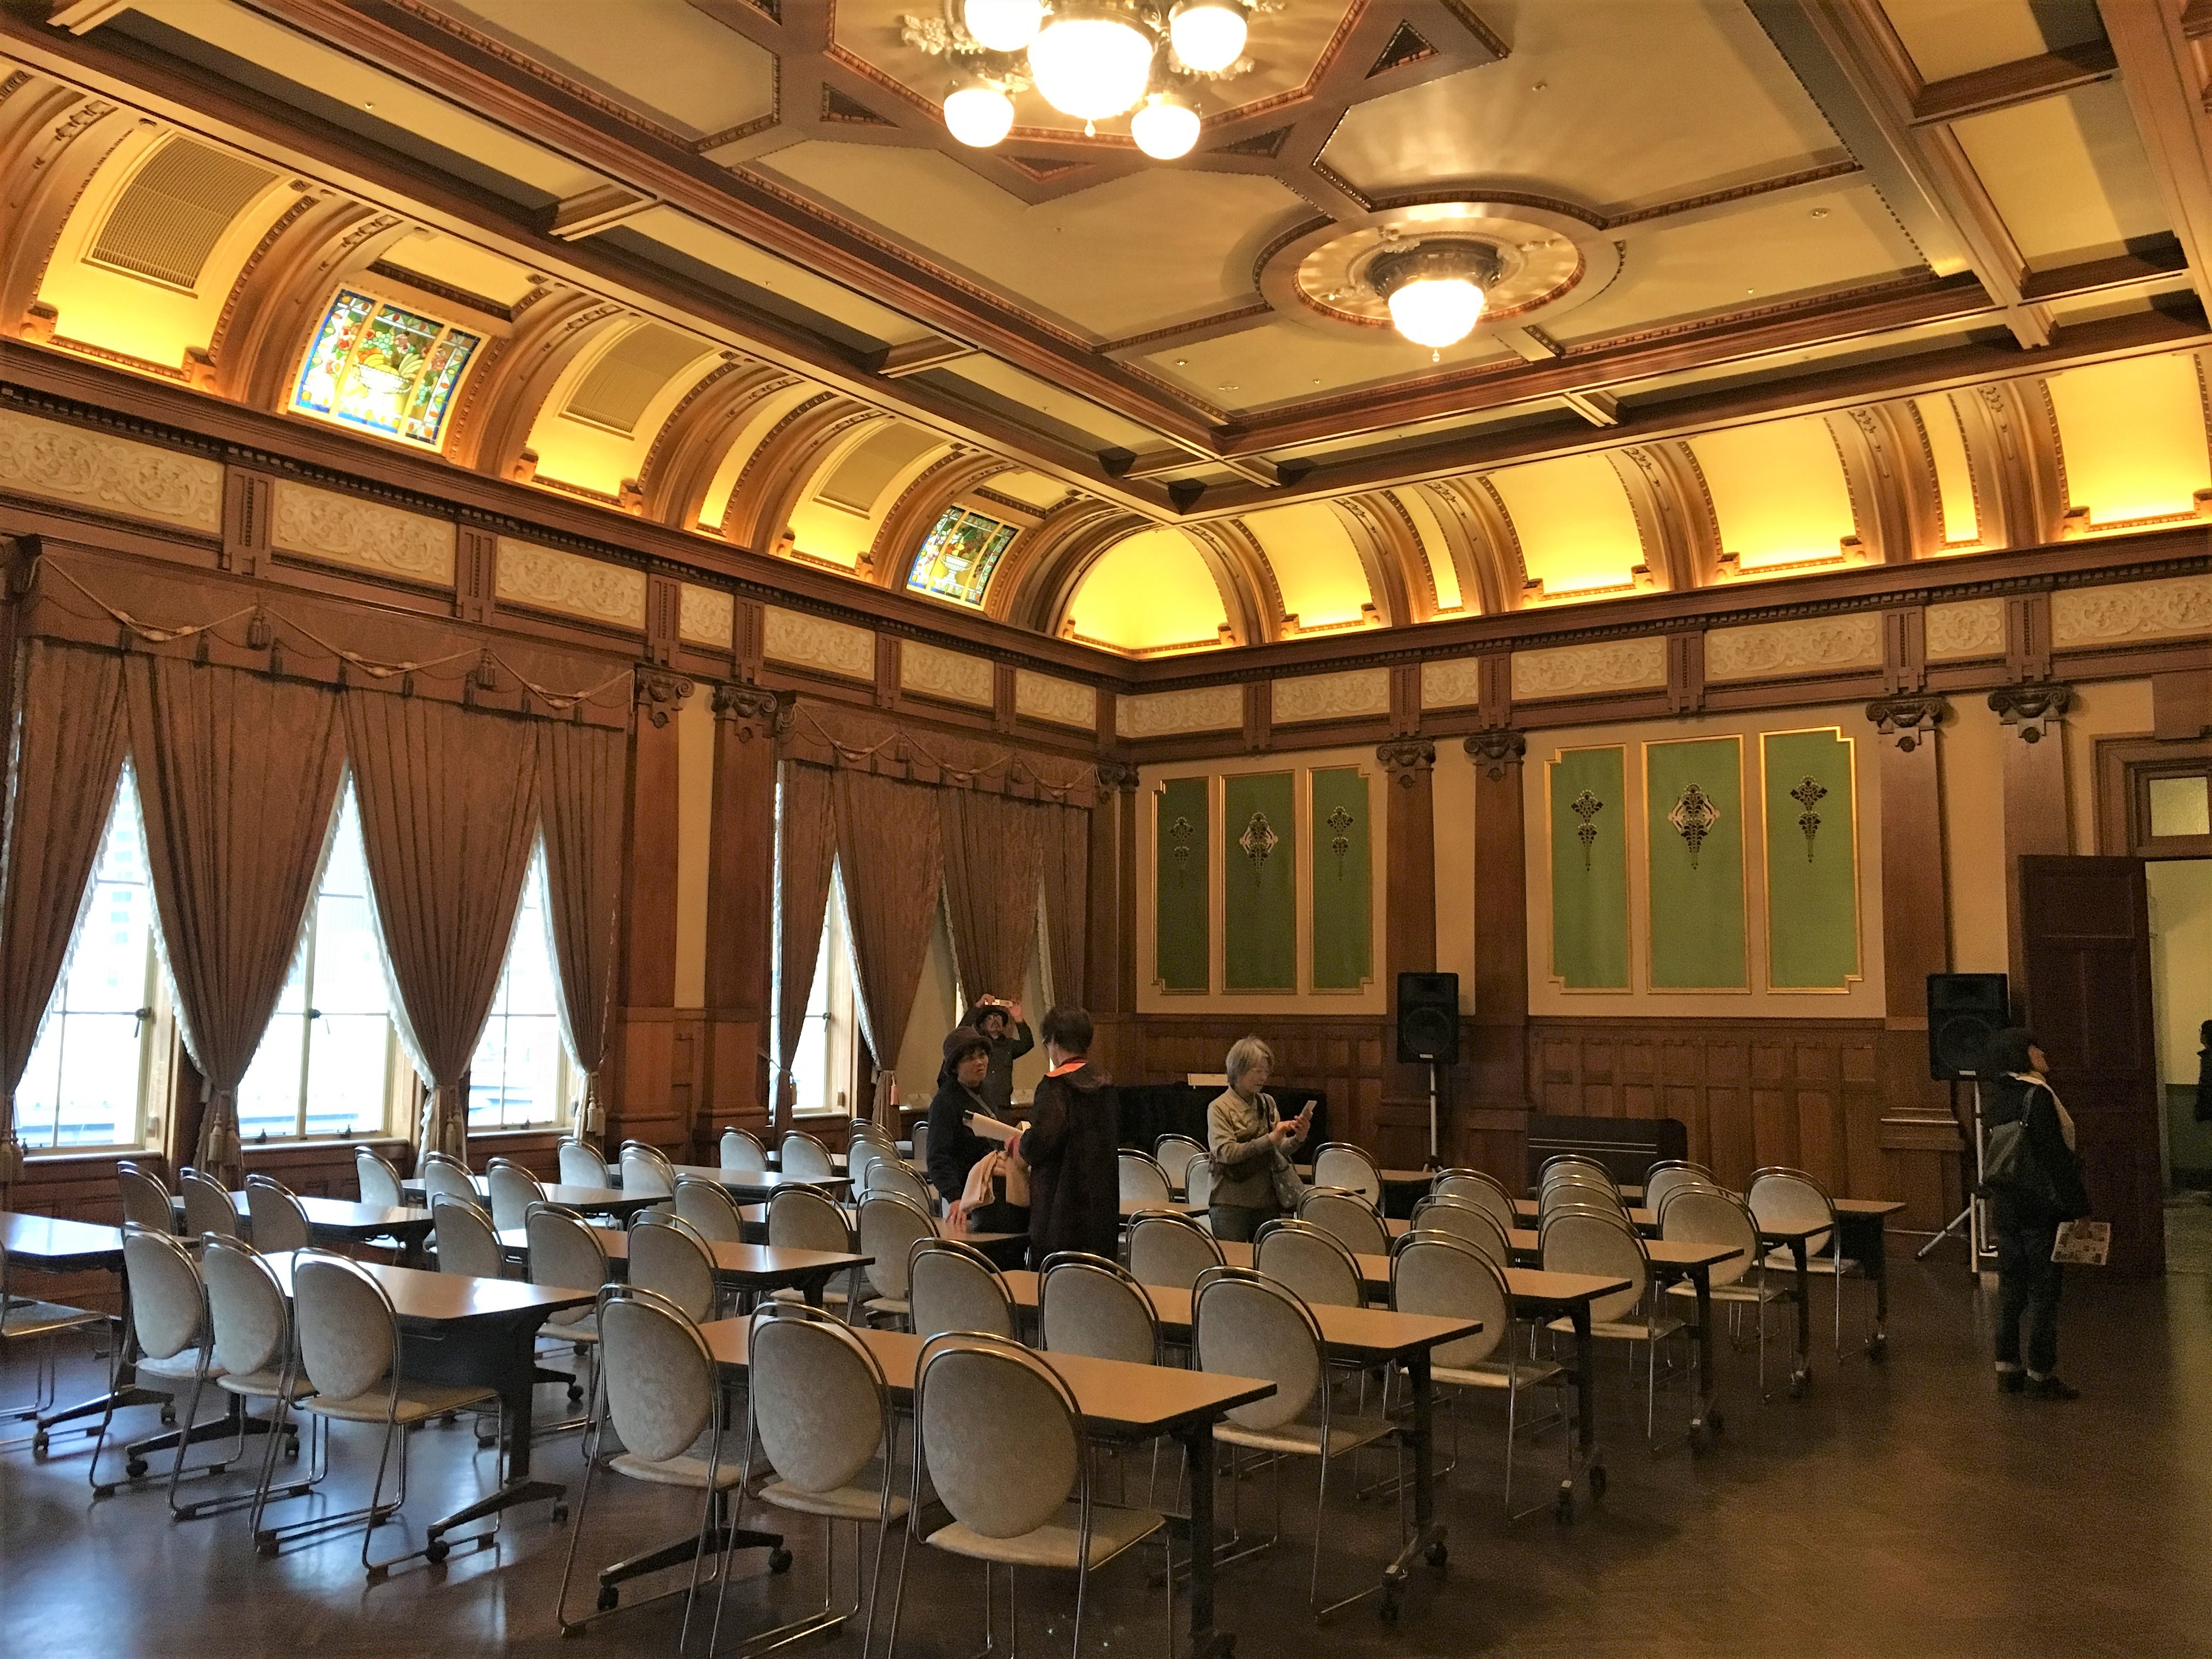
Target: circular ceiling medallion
(1550,258)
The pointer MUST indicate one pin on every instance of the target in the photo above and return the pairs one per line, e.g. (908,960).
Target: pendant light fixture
(1435,289)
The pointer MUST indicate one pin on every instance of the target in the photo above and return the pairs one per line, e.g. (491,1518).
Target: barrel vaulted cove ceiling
(1808,285)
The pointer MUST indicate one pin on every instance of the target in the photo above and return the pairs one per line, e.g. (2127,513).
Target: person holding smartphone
(1251,1145)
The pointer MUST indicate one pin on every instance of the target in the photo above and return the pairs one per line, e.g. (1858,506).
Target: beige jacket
(1243,1157)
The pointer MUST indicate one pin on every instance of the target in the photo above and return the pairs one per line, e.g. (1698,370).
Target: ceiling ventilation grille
(170,217)
(615,391)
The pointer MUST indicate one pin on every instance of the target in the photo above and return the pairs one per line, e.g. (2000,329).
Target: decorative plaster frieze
(1062,702)
(1348,696)
(817,642)
(347,530)
(107,474)
(1972,627)
(1810,646)
(934,673)
(1163,713)
(1574,670)
(707,614)
(1454,684)
(2083,616)
(549,579)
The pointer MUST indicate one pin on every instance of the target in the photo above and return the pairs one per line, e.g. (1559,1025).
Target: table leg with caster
(1590,1465)
(1428,1537)
(1801,1378)
(1706,1418)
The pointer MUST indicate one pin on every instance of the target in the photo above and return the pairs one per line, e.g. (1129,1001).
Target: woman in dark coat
(2026,1213)
(1008,1039)
(1072,1147)
(954,1148)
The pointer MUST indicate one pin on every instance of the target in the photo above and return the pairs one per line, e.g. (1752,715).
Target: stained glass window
(956,560)
(383,369)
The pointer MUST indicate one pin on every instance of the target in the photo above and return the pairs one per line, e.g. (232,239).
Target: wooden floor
(1903,1511)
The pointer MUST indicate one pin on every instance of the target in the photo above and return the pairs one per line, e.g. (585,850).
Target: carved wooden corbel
(661,694)
(1497,749)
(1405,757)
(2032,709)
(1117,777)
(1908,718)
(757,712)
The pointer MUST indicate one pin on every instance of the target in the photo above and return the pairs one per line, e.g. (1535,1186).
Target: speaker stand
(1434,1164)
(1975,1229)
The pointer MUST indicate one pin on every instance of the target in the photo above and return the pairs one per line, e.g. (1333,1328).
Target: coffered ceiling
(1811,214)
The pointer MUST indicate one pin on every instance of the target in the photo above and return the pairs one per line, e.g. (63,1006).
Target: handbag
(2010,1168)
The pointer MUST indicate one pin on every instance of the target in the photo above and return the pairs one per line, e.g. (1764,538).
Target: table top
(432,1298)
(1644,1220)
(1526,1284)
(1369,1334)
(1662,1252)
(1390,1177)
(1114,1395)
(763,1265)
(569,1198)
(759,1180)
(50,1243)
(338,1215)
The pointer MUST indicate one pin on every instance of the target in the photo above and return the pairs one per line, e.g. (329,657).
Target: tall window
(86,1083)
(382,369)
(822,1071)
(958,556)
(325,1063)
(519,1075)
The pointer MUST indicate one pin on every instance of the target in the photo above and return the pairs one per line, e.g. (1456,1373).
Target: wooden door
(2085,947)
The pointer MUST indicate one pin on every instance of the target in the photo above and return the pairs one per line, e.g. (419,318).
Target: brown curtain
(993,847)
(63,756)
(806,844)
(890,846)
(1067,865)
(581,773)
(448,814)
(237,775)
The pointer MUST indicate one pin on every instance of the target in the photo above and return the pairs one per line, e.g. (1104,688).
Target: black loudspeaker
(1428,1017)
(1964,1011)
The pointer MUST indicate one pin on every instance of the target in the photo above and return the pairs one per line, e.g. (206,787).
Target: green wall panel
(1811,860)
(1590,869)
(1693,824)
(1343,887)
(1259,861)
(1181,905)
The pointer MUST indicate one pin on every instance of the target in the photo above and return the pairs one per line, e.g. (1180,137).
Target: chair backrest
(145,1198)
(668,1257)
(378,1180)
(349,1335)
(1784,1198)
(1313,1264)
(742,1151)
(1174,1152)
(1706,1215)
(246,1306)
(1170,1249)
(1090,1306)
(1244,1325)
(1143,1180)
(1467,1223)
(208,1205)
(1578,1193)
(662,1391)
(1198,1182)
(803,1157)
(888,1175)
(919,1137)
(890,1225)
(1340,1163)
(442,1172)
(512,1190)
(1569,1163)
(820,1404)
(862,1154)
(581,1165)
(1483,1190)
(168,1302)
(1664,1177)
(997,1433)
(805,1218)
(952,1286)
(1349,1216)
(1438,1274)
(462,1232)
(646,1171)
(279,1223)
(708,1205)
(565,1252)
(1591,1242)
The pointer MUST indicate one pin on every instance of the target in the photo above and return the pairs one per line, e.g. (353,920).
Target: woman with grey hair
(1250,1146)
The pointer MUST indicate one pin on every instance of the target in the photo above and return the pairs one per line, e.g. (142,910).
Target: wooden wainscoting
(1344,1058)
(656,1081)
(1805,1093)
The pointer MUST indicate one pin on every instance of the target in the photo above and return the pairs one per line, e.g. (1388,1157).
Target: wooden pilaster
(645,1102)
(740,911)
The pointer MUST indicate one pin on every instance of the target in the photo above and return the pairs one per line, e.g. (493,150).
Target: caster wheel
(1437,1554)
(1597,1479)
(1799,1382)
(1563,1507)
(1701,1435)
(168,1417)
(560,1514)
(436,1550)
(39,1446)
(103,1492)
(1877,1347)
(266,1549)
(484,1445)
(779,1561)
(610,1598)
(1389,1609)
(291,1452)
(576,1393)
(135,1469)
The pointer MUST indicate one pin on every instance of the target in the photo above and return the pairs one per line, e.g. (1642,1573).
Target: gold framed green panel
(1586,793)
(1696,894)
(1809,827)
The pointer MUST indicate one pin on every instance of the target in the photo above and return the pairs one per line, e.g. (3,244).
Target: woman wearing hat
(954,1148)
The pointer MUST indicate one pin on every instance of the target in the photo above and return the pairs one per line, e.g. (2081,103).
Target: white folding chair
(668,1257)
(512,1190)
(1144,1184)
(802,1158)
(145,1198)
(278,1221)
(1173,1153)
(646,1171)
(1466,1222)
(465,1241)
(807,1219)
(1341,1165)
(1587,1241)
(378,1181)
(442,1172)
(742,1151)
(581,1164)
(1706,1215)
(1349,1216)
(208,1207)
(1170,1249)
(891,1224)
(952,1286)
(1787,1199)
(708,1205)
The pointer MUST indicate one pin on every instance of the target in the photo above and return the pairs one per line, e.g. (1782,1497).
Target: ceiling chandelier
(1090,59)
(1435,289)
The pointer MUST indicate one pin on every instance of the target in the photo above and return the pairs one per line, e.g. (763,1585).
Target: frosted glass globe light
(1003,25)
(1165,128)
(979,116)
(1208,34)
(1091,67)
(1437,312)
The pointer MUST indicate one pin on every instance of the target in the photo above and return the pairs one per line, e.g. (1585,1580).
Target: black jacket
(954,1148)
(1073,1149)
(2008,1100)
(998,1082)
(2205,1085)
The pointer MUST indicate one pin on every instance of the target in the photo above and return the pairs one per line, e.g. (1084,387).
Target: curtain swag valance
(841,738)
(241,624)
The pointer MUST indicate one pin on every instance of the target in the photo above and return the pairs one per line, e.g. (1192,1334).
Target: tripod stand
(1976,1231)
